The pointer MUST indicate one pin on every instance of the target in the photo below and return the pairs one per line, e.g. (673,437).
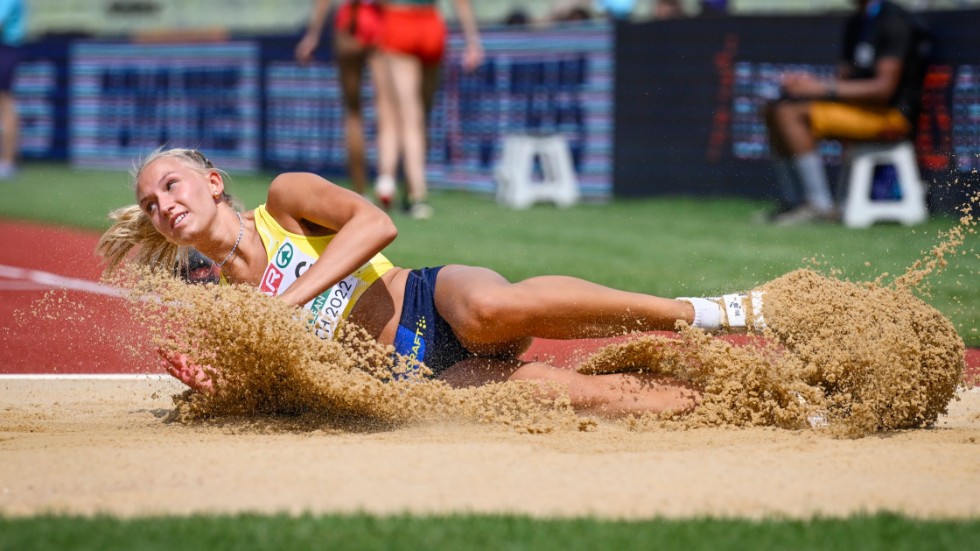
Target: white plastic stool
(861,211)
(516,186)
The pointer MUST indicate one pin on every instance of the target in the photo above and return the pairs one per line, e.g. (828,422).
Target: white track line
(56,281)
(16,285)
(82,377)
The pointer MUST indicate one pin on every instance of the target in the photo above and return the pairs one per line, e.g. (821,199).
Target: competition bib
(328,307)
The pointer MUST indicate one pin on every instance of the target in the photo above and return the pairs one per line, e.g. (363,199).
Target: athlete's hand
(179,366)
(305,49)
(472,57)
(803,85)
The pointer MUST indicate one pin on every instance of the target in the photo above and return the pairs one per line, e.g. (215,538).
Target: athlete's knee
(768,111)
(352,103)
(792,114)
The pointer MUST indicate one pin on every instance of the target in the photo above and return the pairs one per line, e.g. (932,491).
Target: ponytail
(131,228)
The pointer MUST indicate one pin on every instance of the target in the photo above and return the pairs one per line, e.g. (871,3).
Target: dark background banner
(652,108)
(688,93)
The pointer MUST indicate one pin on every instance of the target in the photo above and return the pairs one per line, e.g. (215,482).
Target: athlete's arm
(473,56)
(307,45)
(878,89)
(308,204)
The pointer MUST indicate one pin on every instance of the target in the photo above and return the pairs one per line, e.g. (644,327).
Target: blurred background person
(875,97)
(412,46)
(668,9)
(616,9)
(517,17)
(357,28)
(714,8)
(13,27)
(563,11)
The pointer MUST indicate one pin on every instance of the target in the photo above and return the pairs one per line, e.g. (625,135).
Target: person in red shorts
(357,28)
(412,45)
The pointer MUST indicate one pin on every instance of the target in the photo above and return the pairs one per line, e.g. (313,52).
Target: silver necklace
(241,232)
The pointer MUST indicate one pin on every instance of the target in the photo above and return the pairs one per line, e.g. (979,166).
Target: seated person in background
(874,97)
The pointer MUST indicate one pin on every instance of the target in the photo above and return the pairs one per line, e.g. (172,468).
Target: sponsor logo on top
(271,280)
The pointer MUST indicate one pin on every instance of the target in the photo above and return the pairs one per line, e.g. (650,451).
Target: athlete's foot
(384,189)
(734,313)
(805,214)
(8,170)
(816,419)
(742,312)
(421,210)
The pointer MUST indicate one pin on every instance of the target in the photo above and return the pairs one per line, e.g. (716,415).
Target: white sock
(384,186)
(814,178)
(707,313)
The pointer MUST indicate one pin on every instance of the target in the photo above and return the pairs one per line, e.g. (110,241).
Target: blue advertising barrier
(653,108)
(127,99)
(250,106)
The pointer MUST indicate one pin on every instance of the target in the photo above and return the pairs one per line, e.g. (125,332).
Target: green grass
(663,246)
(246,532)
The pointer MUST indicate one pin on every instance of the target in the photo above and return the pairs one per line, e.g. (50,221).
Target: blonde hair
(131,228)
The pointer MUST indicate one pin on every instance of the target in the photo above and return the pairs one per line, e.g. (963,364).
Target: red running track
(94,333)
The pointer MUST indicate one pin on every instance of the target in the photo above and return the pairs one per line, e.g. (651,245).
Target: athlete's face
(180,201)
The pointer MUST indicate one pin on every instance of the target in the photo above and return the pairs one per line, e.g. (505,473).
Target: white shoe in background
(8,171)
(384,189)
(421,211)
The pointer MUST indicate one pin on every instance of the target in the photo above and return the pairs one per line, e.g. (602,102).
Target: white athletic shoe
(8,171)
(742,312)
(816,419)
(421,210)
(384,189)
(734,313)
(805,214)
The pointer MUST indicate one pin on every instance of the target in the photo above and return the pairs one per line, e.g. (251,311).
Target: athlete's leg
(387,132)
(351,58)
(790,195)
(611,394)
(406,75)
(9,130)
(490,315)
(791,119)
(430,85)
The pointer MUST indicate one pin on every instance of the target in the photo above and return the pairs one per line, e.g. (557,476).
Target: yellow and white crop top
(290,254)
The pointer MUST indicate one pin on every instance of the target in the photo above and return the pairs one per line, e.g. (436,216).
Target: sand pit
(282,440)
(102,446)
(860,358)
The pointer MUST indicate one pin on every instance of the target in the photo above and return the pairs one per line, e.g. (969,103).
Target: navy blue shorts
(422,333)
